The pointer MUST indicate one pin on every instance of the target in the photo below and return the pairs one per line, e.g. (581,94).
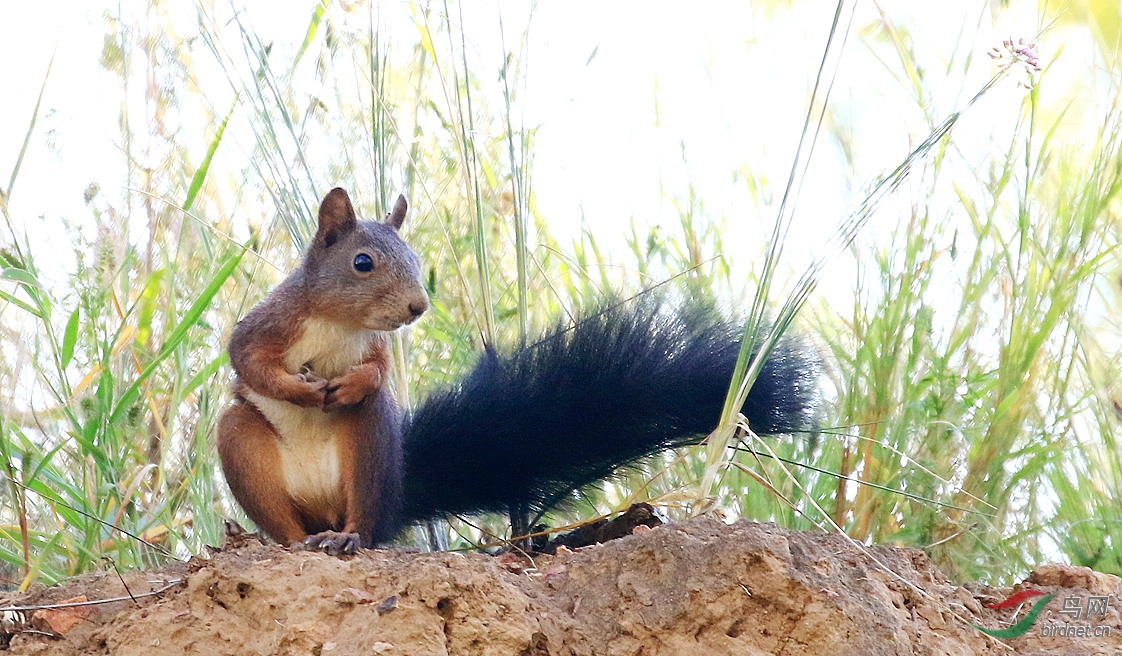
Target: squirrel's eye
(364,263)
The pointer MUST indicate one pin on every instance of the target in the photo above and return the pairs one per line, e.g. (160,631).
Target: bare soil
(697,587)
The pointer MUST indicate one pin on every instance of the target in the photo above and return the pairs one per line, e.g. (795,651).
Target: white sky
(730,83)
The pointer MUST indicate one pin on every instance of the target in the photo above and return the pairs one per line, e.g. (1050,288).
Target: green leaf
(70,338)
(21,276)
(1020,628)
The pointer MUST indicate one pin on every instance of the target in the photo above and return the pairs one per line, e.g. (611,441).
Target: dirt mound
(697,587)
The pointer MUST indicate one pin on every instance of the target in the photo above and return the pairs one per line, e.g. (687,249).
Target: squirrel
(317,452)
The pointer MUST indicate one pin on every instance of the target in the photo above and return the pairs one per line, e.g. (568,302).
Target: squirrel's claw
(352,387)
(332,543)
(311,379)
(311,390)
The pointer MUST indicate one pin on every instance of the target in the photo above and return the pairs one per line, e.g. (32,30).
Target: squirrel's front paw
(332,543)
(310,390)
(352,387)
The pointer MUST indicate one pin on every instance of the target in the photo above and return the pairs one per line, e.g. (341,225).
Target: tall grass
(971,409)
(968,409)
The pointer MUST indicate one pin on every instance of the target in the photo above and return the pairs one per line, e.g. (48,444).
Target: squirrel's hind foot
(332,543)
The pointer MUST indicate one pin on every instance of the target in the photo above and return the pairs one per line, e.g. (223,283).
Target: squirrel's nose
(418,307)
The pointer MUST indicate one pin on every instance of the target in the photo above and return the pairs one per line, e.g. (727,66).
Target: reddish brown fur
(247,446)
(259,344)
(363,424)
(361,380)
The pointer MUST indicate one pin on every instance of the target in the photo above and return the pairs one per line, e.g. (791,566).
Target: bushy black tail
(526,429)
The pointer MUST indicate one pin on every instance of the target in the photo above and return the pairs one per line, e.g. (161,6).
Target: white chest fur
(309,453)
(330,348)
(309,436)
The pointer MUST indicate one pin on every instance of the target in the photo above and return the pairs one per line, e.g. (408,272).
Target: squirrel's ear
(396,217)
(336,217)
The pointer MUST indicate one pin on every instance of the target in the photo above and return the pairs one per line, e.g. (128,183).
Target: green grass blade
(30,130)
(20,304)
(204,167)
(30,284)
(206,372)
(189,319)
(310,35)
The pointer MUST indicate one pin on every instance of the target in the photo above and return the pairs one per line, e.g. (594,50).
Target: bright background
(971,328)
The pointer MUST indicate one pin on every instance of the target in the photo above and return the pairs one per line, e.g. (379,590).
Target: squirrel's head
(361,272)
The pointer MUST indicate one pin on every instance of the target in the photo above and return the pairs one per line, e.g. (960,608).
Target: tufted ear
(396,218)
(336,217)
